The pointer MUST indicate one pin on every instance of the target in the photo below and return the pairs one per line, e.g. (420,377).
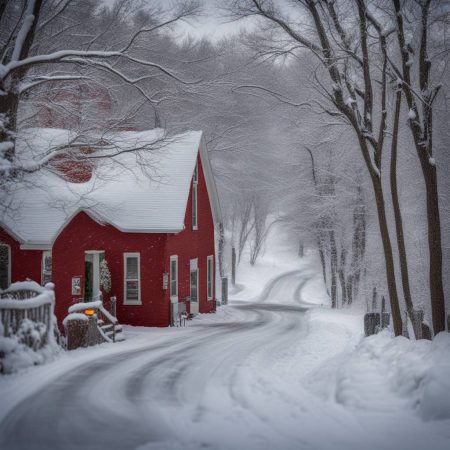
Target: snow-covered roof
(135,192)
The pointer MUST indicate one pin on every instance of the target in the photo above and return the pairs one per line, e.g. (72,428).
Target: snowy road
(162,392)
(239,379)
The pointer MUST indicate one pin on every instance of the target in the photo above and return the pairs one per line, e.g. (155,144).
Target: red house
(151,217)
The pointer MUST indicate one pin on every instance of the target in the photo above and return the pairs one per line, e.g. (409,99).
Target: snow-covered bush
(31,333)
(15,354)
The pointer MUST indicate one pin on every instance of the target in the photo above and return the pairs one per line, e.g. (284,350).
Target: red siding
(190,244)
(83,234)
(24,263)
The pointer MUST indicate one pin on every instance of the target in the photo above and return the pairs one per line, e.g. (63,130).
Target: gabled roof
(123,192)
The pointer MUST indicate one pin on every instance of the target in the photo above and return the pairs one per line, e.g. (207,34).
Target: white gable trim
(35,246)
(11,232)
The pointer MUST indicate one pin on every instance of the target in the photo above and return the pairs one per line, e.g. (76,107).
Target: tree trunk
(333,269)
(322,259)
(233,266)
(388,256)
(341,272)
(8,109)
(435,249)
(221,249)
(358,247)
(397,212)
(422,133)
(9,103)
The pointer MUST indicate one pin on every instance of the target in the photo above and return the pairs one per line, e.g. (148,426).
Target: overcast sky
(211,24)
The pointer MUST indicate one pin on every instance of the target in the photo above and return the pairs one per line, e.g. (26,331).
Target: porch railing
(106,322)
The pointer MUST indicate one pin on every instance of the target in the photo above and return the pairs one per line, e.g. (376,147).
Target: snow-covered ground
(268,371)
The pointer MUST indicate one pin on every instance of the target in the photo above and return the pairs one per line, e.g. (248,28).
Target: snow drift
(388,374)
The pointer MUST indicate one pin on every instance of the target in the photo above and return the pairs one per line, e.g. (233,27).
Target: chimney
(74,168)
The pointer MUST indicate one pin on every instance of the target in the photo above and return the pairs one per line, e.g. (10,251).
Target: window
(5,266)
(174,277)
(210,276)
(194,281)
(46,267)
(132,279)
(195,199)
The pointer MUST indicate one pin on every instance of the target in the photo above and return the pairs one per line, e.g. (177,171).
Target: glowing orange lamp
(89,312)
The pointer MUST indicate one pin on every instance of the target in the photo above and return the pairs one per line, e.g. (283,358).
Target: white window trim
(45,253)
(173,298)
(195,193)
(210,275)
(125,256)
(9,262)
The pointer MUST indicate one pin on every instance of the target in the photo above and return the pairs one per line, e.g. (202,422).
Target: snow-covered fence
(26,311)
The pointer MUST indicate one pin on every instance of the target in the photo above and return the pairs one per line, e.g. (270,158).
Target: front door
(92,261)
(194,286)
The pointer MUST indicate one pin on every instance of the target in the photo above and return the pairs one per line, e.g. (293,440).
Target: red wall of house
(24,263)
(190,244)
(83,234)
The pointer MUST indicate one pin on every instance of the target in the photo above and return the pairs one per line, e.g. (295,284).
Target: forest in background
(280,138)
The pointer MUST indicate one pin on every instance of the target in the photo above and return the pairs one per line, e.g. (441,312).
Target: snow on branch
(24,30)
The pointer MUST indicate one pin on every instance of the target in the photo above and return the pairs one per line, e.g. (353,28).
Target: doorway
(92,260)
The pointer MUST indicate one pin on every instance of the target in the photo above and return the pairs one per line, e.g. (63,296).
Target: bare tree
(347,60)
(420,93)
(29,27)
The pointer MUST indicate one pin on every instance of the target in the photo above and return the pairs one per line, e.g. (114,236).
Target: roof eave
(35,246)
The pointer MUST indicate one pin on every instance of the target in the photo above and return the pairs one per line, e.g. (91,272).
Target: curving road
(203,386)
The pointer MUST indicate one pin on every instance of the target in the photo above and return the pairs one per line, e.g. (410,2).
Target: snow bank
(388,374)
(16,355)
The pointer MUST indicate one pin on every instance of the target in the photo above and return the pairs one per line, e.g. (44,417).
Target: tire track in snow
(125,400)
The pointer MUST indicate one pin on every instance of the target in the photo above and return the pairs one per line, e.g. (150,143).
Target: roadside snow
(386,374)
(275,372)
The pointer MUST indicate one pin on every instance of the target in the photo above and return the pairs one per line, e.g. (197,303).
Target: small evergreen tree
(105,276)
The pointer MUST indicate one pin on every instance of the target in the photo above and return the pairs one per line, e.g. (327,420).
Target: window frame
(195,198)
(210,277)
(127,255)
(46,253)
(4,244)
(173,298)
